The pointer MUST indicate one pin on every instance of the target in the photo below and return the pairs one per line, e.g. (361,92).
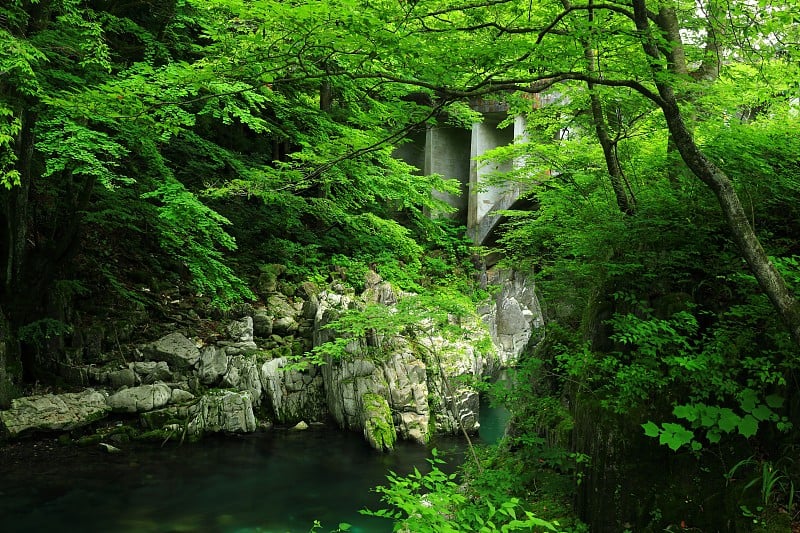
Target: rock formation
(387,386)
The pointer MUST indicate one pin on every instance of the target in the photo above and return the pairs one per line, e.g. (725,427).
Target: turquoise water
(493,423)
(272,482)
(494,418)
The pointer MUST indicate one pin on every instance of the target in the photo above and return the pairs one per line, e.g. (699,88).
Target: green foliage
(434,502)
(193,233)
(716,421)
(769,486)
(72,149)
(39,332)
(418,319)
(230,134)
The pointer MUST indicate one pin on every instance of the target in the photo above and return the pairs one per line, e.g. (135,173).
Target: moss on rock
(379,428)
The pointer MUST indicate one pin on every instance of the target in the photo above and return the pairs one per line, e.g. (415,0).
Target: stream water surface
(277,481)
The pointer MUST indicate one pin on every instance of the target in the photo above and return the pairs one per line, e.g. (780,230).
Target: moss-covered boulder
(378,425)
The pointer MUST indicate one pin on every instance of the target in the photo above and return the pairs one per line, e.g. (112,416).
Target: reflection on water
(278,481)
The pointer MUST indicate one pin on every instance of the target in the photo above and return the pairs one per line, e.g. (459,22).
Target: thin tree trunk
(768,277)
(615,174)
(17,205)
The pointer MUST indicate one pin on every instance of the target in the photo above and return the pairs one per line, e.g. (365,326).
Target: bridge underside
(453,153)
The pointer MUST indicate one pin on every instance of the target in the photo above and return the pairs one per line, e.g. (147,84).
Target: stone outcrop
(139,399)
(418,380)
(293,395)
(213,364)
(243,375)
(387,387)
(149,372)
(513,316)
(179,352)
(222,411)
(54,412)
(378,424)
(407,387)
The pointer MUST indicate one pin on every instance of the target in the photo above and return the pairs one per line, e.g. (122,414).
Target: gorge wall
(386,387)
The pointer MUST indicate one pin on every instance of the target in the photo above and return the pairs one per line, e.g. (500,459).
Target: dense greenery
(193,147)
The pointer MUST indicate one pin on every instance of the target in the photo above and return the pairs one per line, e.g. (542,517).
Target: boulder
(111,375)
(378,291)
(286,314)
(222,411)
(149,372)
(180,396)
(262,323)
(139,399)
(175,349)
(243,375)
(54,412)
(237,348)
(268,279)
(213,364)
(292,394)
(379,428)
(125,377)
(241,330)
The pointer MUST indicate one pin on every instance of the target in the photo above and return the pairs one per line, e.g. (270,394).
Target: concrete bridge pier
(456,153)
(447,152)
(488,196)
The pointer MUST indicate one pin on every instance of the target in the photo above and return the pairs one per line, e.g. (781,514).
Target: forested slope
(182,150)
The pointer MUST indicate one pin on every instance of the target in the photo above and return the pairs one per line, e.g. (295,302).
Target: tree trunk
(624,202)
(615,174)
(768,277)
(10,367)
(17,205)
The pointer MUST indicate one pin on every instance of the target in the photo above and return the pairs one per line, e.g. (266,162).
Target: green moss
(89,440)
(378,424)
(159,418)
(154,435)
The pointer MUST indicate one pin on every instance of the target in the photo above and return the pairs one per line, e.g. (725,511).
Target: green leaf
(688,412)
(762,412)
(650,429)
(713,436)
(775,401)
(748,426)
(728,420)
(748,400)
(675,436)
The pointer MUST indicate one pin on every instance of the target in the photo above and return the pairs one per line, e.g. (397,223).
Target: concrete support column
(483,197)
(447,152)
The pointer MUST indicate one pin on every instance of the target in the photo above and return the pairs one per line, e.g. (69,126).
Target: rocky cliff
(387,386)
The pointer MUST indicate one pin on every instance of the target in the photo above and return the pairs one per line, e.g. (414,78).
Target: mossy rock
(89,440)
(161,417)
(379,427)
(154,435)
(773,521)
